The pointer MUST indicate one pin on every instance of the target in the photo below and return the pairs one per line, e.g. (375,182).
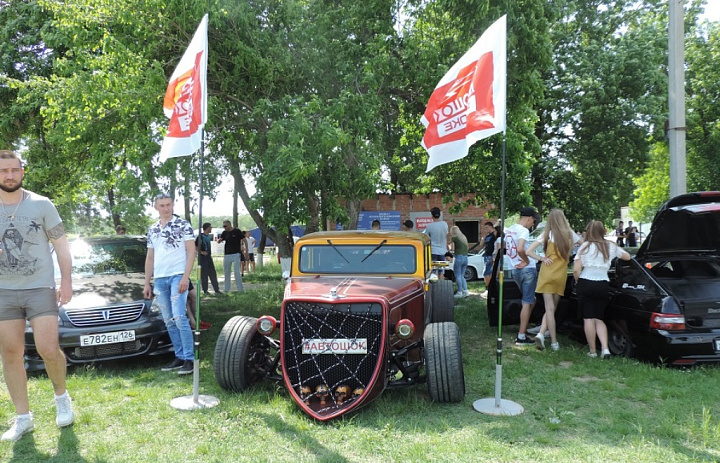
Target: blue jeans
(488,265)
(230,261)
(459,267)
(173,306)
(526,280)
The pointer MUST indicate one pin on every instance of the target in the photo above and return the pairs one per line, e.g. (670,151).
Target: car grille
(108,350)
(105,315)
(328,321)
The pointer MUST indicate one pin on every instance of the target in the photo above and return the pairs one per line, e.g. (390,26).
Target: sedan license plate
(107,338)
(717,345)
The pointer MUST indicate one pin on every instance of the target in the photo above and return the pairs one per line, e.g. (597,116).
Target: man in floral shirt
(170,259)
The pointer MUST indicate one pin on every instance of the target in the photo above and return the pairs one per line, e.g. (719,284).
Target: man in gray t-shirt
(438,232)
(29,223)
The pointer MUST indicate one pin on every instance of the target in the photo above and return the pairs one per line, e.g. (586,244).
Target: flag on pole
(185,100)
(468,104)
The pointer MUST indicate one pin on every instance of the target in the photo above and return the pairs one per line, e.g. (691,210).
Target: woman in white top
(591,275)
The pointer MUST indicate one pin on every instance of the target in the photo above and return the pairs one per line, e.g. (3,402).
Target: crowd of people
(541,266)
(590,270)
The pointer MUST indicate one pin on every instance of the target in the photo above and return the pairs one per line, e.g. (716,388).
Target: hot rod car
(362,312)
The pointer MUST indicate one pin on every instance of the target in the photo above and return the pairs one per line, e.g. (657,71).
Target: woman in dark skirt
(590,270)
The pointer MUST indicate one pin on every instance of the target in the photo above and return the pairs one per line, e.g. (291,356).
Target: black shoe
(524,342)
(218,293)
(206,293)
(174,365)
(187,367)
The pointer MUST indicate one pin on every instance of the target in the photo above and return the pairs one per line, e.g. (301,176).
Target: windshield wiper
(376,248)
(338,251)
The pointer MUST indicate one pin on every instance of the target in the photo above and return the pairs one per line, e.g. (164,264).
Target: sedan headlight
(154,306)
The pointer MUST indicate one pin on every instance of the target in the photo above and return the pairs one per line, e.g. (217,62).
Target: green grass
(576,409)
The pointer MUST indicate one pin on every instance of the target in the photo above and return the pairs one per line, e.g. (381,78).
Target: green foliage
(653,187)
(313,101)
(703,128)
(703,120)
(606,101)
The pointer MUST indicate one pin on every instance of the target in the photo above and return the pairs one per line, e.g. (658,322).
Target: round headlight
(266,325)
(404,329)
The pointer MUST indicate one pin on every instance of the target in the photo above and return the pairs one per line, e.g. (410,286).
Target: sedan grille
(105,315)
(310,321)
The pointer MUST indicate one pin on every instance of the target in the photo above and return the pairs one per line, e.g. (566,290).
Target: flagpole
(499,406)
(197,401)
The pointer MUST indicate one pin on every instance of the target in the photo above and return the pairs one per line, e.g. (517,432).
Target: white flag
(185,100)
(468,104)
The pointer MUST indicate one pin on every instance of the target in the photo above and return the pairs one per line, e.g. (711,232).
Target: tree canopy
(319,103)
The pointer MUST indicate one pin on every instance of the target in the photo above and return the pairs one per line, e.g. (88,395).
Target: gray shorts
(26,304)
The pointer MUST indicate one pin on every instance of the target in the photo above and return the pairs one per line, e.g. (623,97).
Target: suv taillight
(666,321)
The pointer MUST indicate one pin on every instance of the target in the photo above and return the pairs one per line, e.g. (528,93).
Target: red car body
(361,313)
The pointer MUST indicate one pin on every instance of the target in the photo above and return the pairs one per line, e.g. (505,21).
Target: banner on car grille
(334,346)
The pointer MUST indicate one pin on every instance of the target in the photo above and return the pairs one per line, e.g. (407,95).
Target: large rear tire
(443,362)
(239,349)
(443,302)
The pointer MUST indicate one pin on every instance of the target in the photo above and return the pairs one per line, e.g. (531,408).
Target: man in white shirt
(438,232)
(524,271)
(170,259)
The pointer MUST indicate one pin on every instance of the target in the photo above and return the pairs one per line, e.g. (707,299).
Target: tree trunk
(313,224)
(353,208)
(281,239)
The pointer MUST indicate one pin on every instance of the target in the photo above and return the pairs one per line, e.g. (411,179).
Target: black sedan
(665,302)
(107,319)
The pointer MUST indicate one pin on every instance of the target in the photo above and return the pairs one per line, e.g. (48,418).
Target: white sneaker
(605,354)
(555,346)
(65,415)
(540,341)
(19,427)
(459,295)
(467,293)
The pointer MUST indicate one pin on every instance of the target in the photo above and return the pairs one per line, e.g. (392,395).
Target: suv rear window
(363,259)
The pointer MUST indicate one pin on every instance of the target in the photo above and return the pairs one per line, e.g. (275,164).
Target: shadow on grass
(320,452)
(25,450)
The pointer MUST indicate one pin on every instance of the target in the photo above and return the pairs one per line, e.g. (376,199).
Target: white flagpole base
(497,406)
(195,401)
(190,402)
(491,407)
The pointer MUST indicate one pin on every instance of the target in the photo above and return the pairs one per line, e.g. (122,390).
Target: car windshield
(364,259)
(103,258)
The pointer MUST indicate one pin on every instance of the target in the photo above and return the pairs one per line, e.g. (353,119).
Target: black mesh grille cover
(306,320)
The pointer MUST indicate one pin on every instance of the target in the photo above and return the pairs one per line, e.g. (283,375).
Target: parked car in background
(362,312)
(107,318)
(665,302)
